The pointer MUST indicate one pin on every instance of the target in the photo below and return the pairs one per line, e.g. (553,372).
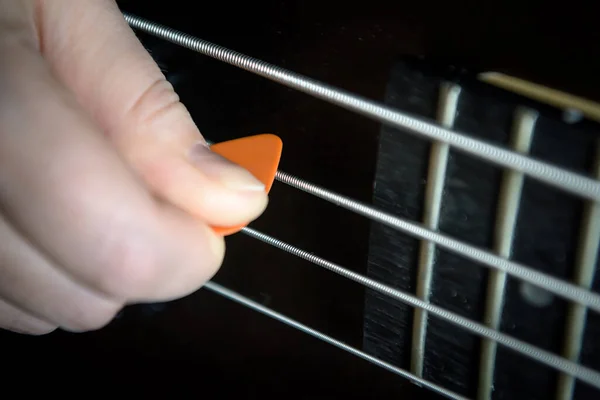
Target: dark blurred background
(206,344)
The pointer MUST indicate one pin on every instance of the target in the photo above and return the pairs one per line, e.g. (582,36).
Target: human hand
(107,189)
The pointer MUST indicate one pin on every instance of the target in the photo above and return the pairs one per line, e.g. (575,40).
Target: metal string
(215,287)
(583,373)
(550,174)
(555,176)
(527,274)
(551,284)
(554,285)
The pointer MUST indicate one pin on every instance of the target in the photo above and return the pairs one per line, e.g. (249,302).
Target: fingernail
(223,171)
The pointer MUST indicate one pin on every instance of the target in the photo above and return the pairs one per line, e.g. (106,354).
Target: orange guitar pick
(259,154)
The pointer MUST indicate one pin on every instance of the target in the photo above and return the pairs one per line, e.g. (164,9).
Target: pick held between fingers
(66,189)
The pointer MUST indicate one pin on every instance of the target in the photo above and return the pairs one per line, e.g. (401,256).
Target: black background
(206,344)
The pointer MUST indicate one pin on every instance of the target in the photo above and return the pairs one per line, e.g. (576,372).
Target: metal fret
(438,161)
(507,213)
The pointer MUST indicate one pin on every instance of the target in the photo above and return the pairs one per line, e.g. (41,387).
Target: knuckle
(131,267)
(160,172)
(157,100)
(211,261)
(29,326)
(210,257)
(41,330)
(218,258)
(191,272)
(93,318)
(16,320)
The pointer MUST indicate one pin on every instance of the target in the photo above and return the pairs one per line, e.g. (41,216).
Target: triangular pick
(258,154)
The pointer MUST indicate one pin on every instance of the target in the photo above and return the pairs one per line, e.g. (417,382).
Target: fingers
(38,287)
(13,319)
(91,49)
(70,194)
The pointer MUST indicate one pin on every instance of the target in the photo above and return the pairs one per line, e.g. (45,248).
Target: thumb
(94,52)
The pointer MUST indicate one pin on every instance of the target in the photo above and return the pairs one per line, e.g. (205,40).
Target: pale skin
(107,189)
